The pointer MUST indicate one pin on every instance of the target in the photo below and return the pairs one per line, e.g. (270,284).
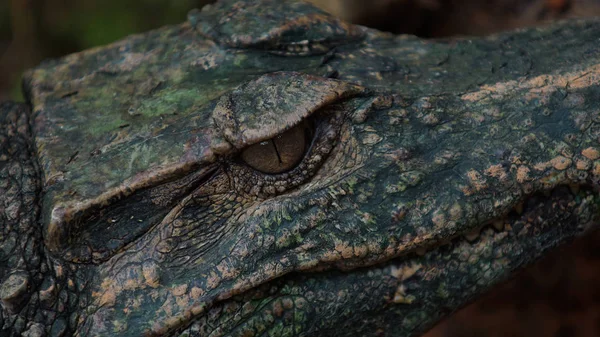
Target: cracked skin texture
(126,209)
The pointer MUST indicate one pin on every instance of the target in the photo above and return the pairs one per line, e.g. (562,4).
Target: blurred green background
(33,30)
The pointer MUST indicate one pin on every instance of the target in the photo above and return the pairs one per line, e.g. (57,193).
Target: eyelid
(272,104)
(303,30)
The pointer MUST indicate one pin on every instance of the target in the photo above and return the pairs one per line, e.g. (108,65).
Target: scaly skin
(153,225)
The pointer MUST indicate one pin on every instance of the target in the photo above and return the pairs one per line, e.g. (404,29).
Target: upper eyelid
(270,105)
(287,34)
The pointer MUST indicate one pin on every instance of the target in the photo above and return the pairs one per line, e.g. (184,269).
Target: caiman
(265,169)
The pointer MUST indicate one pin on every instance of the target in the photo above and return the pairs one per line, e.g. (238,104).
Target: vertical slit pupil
(276,151)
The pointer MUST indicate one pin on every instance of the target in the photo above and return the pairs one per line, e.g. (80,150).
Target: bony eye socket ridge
(279,154)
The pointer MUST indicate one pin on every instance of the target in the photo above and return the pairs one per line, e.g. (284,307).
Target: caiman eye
(289,159)
(279,154)
(274,133)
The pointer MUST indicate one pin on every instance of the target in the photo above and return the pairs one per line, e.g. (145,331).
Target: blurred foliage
(445,18)
(33,30)
(4,23)
(83,24)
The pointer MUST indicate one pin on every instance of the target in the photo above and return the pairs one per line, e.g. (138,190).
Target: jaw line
(524,236)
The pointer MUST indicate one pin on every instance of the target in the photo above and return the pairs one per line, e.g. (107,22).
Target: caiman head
(268,170)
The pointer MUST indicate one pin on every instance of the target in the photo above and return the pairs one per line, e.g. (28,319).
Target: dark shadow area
(442,18)
(557,297)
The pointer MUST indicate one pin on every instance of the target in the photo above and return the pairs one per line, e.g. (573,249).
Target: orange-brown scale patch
(226,270)
(596,169)
(150,273)
(107,298)
(467,190)
(213,280)
(583,164)
(182,301)
(131,284)
(591,153)
(543,94)
(477,180)
(277,308)
(540,87)
(561,163)
(361,251)
(308,262)
(542,166)
(179,290)
(405,272)
(496,171)
(431,119)
(523,174)
(196,292)
(399,213)
(344,249)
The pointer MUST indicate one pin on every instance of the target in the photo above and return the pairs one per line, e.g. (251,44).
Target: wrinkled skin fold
(432,171)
